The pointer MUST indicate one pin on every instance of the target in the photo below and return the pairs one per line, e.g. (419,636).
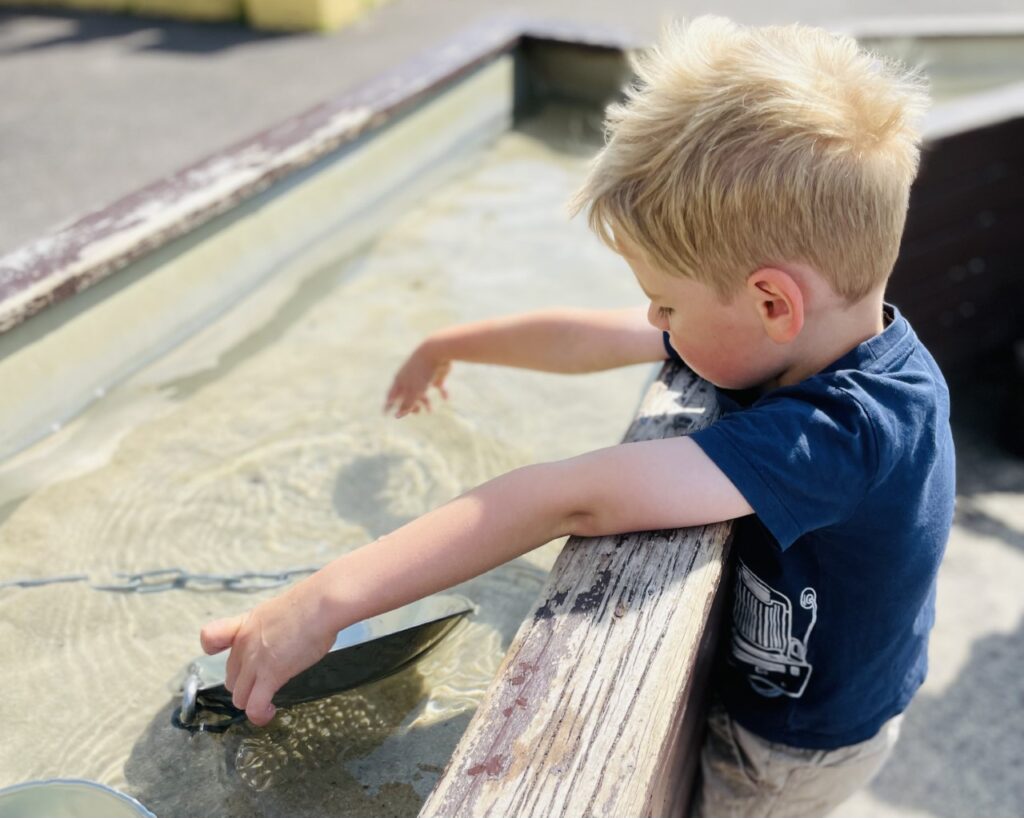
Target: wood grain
(596,708)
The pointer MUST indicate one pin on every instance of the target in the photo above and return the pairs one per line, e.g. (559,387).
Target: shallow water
(259,444)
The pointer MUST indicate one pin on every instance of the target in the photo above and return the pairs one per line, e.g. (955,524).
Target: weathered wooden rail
(596,709)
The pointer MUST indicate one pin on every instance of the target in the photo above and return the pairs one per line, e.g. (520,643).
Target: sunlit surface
(260,445)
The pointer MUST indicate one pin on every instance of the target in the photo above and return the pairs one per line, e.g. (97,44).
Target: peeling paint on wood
(89,249)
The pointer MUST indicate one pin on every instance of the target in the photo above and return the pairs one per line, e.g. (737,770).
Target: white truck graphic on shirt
(762,636)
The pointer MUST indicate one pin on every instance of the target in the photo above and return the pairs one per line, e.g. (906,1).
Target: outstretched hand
(269,645)
(408,392)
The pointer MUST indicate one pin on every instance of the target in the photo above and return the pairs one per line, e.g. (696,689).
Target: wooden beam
(597,708)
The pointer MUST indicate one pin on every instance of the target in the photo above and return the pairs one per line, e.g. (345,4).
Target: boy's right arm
(557,340)
(644,486)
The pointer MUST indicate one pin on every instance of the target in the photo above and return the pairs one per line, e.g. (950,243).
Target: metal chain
(168,579)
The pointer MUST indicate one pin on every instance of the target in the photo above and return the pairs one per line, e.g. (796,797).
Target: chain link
(169,579)
(33,583)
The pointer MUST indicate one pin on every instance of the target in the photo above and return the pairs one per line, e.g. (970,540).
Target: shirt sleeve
(803,461)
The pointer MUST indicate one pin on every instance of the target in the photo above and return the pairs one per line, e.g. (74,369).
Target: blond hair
(738,148)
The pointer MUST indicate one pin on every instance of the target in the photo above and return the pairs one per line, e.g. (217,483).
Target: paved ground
(961,754)
(93,107)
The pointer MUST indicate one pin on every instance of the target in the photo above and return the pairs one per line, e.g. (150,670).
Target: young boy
(756,181)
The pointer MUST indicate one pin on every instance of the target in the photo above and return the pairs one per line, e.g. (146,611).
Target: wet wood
(597,708)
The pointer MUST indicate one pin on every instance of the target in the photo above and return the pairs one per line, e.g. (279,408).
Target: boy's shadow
(962,751)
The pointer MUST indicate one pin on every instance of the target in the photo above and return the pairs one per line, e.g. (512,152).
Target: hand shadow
(295,766)
(376,750)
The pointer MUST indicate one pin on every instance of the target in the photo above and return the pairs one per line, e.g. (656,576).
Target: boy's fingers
(409,404)
(231,668)
(234,663)
(438,381)
(243,687)
(217,636)
(259,709)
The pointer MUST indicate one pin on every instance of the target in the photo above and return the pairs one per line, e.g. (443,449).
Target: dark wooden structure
(960,274)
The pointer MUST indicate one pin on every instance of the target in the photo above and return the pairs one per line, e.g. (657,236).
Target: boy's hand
(269,645)
(408,392)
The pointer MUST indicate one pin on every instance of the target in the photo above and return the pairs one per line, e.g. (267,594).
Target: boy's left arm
(650,485)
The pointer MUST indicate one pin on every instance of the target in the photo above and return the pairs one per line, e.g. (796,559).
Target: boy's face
(724,343)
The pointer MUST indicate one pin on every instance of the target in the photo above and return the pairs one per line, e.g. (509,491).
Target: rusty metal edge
(94,246)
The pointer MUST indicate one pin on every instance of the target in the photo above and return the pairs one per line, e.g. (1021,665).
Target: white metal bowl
(68,798)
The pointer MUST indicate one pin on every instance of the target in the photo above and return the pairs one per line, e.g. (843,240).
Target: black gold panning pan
(362,653)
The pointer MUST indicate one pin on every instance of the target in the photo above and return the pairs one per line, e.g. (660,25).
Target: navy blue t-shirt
(850,474)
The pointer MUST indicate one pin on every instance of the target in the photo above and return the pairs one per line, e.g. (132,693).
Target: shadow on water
(165,35)
(353,754)
(8,508)
(296,766)
(962,751)
(307,295)
(360,494)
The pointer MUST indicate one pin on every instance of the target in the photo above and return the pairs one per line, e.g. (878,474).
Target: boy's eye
(664,312)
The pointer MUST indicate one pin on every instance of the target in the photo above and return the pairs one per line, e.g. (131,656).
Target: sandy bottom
(260,445)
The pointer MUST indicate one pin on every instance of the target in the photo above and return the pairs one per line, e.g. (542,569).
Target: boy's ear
(779,301)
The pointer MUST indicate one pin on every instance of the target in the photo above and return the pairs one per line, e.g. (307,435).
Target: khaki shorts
(744,776)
